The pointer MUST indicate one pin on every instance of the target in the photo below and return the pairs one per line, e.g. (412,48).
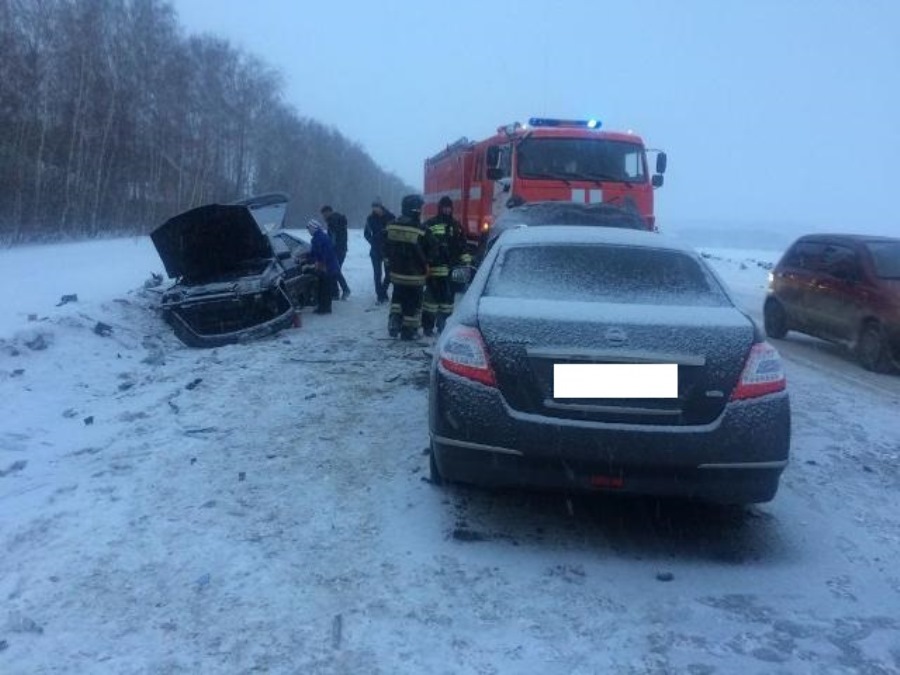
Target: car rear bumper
(738,458)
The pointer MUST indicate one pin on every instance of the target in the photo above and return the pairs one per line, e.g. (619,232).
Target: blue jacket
(322,253)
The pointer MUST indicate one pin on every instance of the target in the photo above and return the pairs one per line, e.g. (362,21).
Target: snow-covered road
(263,508)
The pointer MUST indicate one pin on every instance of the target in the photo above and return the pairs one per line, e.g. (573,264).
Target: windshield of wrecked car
(603,273)
(886,258)
(581,158)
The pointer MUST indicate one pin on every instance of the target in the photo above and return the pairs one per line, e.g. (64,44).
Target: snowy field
(264,508)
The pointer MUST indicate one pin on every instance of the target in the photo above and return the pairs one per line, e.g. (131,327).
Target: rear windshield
(604,273)
(886,257)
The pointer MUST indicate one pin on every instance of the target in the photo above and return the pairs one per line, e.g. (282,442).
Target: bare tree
(111,120)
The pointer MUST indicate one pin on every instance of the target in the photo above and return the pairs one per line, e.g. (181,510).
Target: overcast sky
(770,111)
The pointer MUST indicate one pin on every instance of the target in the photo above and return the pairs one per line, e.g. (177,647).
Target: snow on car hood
(210,241)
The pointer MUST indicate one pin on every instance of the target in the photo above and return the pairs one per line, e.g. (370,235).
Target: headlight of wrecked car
(247,286)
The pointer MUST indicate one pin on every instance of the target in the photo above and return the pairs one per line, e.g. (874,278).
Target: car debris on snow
(337,629)
(204,430)
(19,623)
(154,281)
(18,465)
(37,343)
(66,299)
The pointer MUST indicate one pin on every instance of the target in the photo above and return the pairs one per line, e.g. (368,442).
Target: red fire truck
(543,160)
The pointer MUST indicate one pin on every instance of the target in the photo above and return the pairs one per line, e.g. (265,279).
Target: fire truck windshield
(594,159)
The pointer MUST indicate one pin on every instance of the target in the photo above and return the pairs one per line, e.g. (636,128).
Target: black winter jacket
(408,247)
(374,232)
(337,230)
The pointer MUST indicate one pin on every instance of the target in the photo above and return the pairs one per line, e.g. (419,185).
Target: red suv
(844,288)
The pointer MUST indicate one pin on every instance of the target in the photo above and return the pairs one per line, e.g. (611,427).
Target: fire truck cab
(543,160)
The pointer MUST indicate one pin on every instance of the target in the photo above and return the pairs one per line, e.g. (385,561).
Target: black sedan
(605,359)
(238,275)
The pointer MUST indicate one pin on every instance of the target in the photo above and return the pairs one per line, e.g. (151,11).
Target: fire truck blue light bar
(549,122)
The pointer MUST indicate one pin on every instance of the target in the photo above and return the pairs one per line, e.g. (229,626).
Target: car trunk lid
(525,338)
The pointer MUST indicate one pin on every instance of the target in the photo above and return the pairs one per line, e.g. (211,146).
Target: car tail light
(763,373)
(463,352)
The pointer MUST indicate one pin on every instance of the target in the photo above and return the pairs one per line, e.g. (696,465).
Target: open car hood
(216,239)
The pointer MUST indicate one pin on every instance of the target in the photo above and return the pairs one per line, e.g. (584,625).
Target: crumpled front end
(222,313)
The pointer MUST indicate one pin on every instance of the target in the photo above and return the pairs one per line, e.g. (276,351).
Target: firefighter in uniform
(447,249)
(407,247)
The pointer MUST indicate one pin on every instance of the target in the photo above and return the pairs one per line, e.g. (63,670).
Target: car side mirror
(661,161)
(657,180)
(461,275)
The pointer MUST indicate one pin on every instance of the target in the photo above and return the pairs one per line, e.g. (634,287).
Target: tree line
(112,120)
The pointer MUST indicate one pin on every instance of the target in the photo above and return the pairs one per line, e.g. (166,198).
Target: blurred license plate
(615,380)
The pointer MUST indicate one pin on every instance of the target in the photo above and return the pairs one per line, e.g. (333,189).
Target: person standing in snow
(374,234)
(327,268)
(448,247)
(337,230)
(407,247)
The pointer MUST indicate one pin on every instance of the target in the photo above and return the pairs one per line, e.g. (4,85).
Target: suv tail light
(462,351)
(763,373)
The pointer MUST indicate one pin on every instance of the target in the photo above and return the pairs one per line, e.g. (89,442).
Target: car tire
(775,319)
(872,349)
(434,472)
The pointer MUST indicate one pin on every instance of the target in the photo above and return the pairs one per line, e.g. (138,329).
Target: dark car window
(805,255)
(604,273)
(841,262)
(886,258)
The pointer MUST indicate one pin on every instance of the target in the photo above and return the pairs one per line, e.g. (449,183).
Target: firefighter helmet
(445,201)
(411,205)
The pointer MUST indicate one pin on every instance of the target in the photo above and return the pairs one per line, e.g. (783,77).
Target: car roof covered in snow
(573,234)
(848,238)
